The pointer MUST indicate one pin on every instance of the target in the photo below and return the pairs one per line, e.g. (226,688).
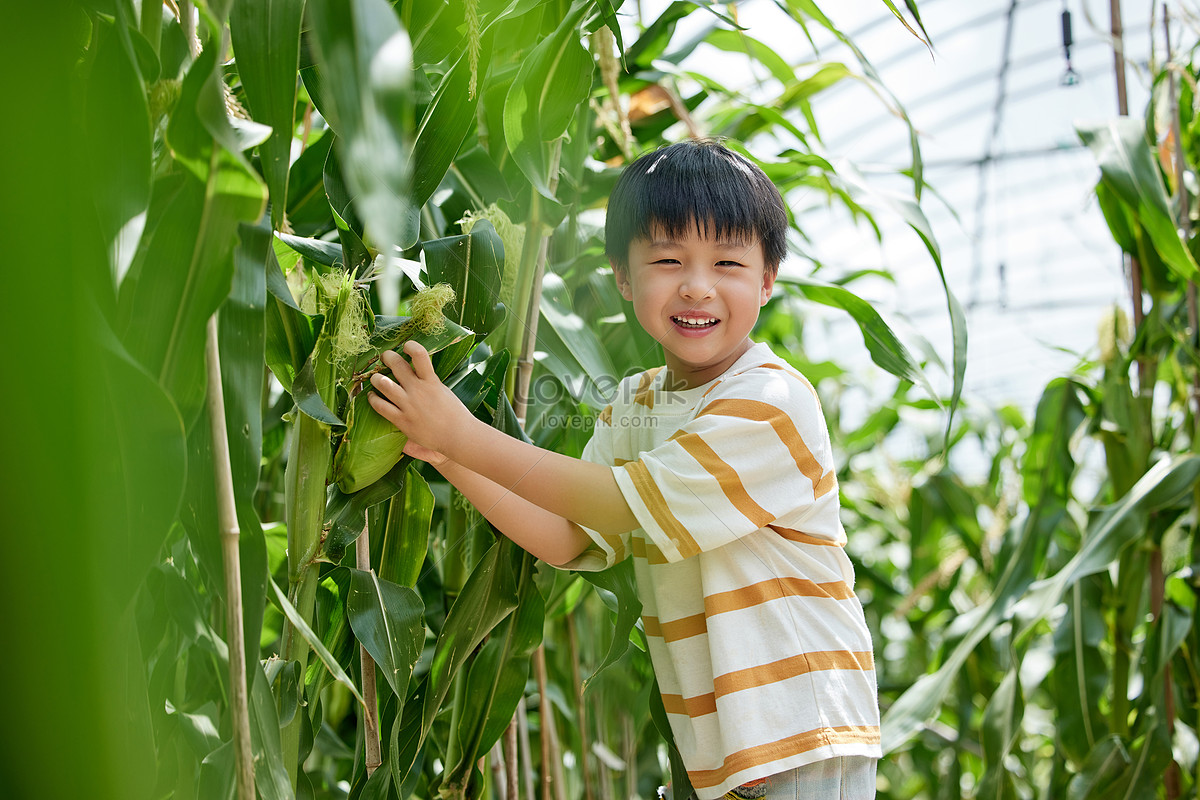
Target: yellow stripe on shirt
(774,589)
(726,477)
(783,748)
(785,429)
(804,538)
(647,550)
(656,504)
(774,672)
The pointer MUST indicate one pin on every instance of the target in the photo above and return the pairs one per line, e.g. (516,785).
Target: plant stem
(304,478)
(230,533)
(362,555)
(521,337)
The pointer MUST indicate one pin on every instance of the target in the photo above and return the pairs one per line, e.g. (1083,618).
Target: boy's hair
(696,182)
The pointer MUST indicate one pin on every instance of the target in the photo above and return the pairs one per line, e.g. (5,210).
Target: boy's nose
(696,287)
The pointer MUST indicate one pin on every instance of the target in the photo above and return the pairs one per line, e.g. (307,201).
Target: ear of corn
(370,448)
(372,445)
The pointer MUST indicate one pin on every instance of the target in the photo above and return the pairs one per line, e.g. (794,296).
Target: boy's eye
(729,263)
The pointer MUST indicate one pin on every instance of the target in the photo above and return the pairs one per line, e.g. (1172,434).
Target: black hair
(696,182)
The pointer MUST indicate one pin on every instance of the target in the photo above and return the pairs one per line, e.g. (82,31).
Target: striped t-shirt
(759,644)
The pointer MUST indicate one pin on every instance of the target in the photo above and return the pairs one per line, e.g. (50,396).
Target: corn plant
(330,179)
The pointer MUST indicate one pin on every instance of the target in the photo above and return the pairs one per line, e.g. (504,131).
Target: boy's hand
(418,403)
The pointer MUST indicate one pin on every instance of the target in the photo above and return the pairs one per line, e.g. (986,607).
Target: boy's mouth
(695,323)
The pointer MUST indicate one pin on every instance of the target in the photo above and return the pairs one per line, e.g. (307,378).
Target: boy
(714,472)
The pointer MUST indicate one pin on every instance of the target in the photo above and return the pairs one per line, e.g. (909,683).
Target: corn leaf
(496,679)
(270,775)
(405,538)
(1129,171)
(314,641)
(552,83)
(910,211)
(266,42)
(885,348)
(617,587)
(490,595)
(473,265)
(366,64)
(184,270)
(448,119)
(387,620)
(120,147)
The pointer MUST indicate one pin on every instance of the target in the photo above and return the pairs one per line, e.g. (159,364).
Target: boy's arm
(552,538)
(433,417)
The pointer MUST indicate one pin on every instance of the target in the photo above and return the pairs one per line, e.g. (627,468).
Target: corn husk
(370,448)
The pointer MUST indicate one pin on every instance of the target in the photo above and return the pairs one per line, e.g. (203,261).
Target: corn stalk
(239,701)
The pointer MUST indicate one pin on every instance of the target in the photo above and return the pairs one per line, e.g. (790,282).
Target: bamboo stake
(580,708)
(230,533)
(362,557)
(551,784)
(1157,578)
(512,771)
(526,750)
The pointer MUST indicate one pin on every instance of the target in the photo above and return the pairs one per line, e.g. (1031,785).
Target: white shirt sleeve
(604,551)
(757,454)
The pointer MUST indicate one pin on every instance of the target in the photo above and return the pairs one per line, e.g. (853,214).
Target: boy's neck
(679,376)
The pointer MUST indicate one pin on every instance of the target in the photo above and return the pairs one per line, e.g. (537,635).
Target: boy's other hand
(418,403)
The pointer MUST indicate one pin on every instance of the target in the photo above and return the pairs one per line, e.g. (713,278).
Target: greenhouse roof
(1023,243)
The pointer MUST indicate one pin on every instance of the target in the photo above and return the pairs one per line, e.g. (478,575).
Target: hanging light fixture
(1070,77)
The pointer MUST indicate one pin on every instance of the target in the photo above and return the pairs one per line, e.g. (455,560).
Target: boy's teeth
(695,322)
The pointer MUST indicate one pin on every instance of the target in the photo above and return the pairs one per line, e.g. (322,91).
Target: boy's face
(698,297)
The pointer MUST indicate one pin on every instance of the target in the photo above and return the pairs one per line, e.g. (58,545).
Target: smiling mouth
(695,323)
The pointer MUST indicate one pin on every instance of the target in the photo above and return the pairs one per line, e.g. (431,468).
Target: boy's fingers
(391,359)
(383,407)
(390,390)
(421,363)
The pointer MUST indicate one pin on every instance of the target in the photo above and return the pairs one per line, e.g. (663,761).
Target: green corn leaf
(448,119)
(1107,761)
(473,265)
(318,250)
(266,42)
(387,620)
(120,147)
(1080,678)
(291,334)
(1116,528)
(366,65)
(496,679)
(885,348)
(920,702)
(1001,729)
(489,596)
(732,41)
(270,775)
(355,256)
(184,270)
(618,589)
(910,211)
(405,539)
(552,83)
(314,641)
(1128,170)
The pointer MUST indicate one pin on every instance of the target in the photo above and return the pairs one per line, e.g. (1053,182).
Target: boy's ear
(621,276)
(768,285)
